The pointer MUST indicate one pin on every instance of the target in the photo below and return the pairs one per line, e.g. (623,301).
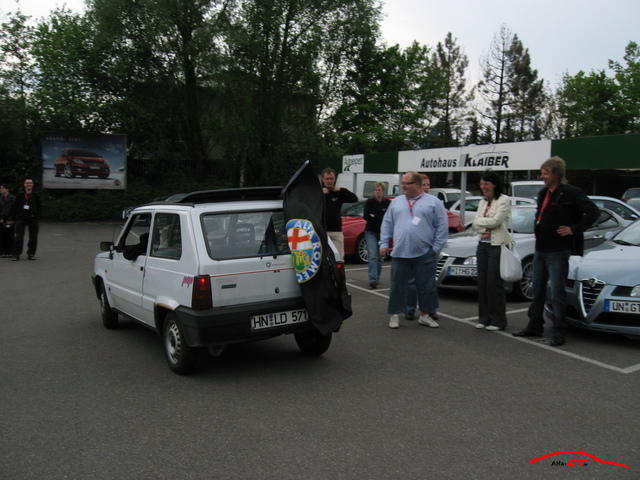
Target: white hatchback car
(209,271)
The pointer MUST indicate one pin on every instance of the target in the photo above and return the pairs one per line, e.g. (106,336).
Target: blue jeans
(423,269)
(374,259)
(552,267)
(412,298)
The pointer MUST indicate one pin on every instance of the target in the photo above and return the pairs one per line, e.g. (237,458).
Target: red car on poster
(353,226)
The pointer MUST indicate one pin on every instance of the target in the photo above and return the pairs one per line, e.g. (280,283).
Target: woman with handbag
(491,221)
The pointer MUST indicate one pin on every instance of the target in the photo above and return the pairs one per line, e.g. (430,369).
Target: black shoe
(527,333)
(15,258)
(557,340)
(373,285)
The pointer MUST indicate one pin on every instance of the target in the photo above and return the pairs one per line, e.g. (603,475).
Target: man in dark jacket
(26,212)
(6,226)
(564,213)
(334,198)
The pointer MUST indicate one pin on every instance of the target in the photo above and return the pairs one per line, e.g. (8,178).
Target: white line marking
(469,320)
(358,269)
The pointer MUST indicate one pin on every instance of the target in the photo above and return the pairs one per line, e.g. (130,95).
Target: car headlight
(470,261)
(635,291)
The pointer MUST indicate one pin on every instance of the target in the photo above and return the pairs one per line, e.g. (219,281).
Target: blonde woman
(491,221)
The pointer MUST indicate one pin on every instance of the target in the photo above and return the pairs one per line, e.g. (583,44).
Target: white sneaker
(394,321)
(427,321)
(480,325)
(492,328)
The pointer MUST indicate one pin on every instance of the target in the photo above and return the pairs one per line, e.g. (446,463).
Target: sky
(563,36)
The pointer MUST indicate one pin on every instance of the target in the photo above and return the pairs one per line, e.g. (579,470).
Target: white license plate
(94,167)
(463,271)
(616,306)
(278,319)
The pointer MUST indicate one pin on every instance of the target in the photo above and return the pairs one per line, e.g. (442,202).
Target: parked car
(625,210)
(630,193)
(176,197)
(471,206)
(603,288)
(448,196)
(526,188)
(213,270)
(353,225)
(457,265)
(74,162)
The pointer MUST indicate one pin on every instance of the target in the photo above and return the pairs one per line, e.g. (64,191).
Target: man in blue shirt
(417,223)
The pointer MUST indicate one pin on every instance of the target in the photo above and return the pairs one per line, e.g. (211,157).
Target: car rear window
(245,234)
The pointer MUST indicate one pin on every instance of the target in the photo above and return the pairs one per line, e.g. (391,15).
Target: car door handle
(598,236)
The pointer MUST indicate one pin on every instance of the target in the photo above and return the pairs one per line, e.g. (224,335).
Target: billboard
(84,161)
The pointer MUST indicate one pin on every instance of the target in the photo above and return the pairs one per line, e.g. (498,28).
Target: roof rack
(233,194)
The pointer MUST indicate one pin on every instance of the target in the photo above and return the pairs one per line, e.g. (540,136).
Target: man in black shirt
(374,210)
(26,212)
(564,213)
(334,198)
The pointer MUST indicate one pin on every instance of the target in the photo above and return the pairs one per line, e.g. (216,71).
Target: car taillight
(201,296)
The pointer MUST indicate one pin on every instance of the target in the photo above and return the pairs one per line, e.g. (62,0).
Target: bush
(103,205)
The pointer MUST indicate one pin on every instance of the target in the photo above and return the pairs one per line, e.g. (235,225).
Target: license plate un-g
(622,307)
(278,319)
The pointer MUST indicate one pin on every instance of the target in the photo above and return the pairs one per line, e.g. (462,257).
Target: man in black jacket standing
(334,198)
(564,213)
(26,212)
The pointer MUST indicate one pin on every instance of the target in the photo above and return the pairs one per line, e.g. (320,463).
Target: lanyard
(486,209)
(545,203)
(412,203)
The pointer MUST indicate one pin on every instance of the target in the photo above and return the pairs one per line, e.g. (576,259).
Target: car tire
(523,290)
(103,176)
(109,316)
(180,356)
(361,254)
(67,171)
(312,342)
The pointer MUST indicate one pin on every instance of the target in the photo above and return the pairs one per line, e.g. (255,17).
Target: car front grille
(440,266)
(618,319)
(589,290)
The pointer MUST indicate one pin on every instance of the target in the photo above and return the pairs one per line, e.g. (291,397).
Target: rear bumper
(223,325)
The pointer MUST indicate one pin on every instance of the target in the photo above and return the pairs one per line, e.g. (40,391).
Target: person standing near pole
(417,223)
(564,213)
(26,213)
(374,210)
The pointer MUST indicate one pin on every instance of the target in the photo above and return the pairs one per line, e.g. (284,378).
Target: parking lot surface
(78,401)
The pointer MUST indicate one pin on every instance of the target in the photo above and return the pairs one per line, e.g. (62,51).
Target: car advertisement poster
(89,162)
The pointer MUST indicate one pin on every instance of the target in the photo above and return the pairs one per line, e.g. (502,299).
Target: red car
(80,162)
(353,226)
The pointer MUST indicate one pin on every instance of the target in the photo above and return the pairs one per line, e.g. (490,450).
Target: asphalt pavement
(81,402)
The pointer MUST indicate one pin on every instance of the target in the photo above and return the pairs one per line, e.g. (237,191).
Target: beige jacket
(496,220)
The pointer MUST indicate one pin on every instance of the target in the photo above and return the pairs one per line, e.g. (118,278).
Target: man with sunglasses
(417,223)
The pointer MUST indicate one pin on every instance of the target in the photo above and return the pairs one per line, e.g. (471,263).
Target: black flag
(322,284)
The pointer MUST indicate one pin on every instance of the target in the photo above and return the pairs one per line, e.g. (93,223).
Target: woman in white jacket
(492,218)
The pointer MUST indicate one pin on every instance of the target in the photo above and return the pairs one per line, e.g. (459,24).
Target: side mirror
(106,246)
(608,235)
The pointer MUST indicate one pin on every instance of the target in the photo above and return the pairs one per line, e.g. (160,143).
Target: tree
(493,88)
(451,63)
(628,79)
(591,104)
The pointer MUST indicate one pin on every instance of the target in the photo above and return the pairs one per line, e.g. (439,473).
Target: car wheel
(109,316)
(104,175)
(523,290)
(362,254)
(180,356)
(67,171)
(313,342)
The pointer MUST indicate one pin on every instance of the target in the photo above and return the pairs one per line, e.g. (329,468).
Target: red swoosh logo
(536,460)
